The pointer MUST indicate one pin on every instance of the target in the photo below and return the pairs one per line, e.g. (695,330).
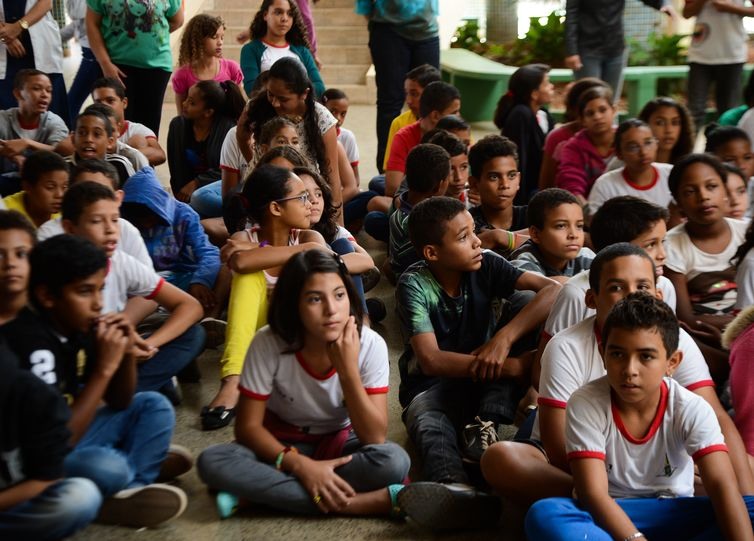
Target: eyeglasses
(634,148)
(304,198)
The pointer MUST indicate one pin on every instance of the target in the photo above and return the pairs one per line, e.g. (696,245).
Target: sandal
(217,417)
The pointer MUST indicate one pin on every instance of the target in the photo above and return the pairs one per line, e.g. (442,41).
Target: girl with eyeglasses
(312,417)
(276,202)
(640,176)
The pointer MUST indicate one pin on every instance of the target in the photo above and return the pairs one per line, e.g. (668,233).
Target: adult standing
(595,43)
(402,36)
(131,41)
(30,38)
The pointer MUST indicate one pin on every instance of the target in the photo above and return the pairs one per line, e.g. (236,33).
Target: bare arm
(720,485)
(22,492)
(393,181)
(330,140)
(150,147)
(552,422)
(179,99)
(176,21)
(348,181)
(184,310)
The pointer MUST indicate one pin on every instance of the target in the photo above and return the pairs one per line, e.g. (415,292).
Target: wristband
(281,456)
(635,535)
(511,241)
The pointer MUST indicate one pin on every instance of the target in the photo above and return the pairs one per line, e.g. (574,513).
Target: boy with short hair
(111,92)
(36,501)
(556,236)
(30,126)
(16,242)
(495,177)
(92,137)
(633,437)
(44,180)
(457,363)
(536,467)
(427,170)
(137,159)
(459,162)
(439,99)
(414,84)
(65,341)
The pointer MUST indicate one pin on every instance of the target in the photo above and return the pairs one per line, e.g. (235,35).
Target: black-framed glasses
(304,198)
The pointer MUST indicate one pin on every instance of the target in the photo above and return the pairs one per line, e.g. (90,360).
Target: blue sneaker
(227,504)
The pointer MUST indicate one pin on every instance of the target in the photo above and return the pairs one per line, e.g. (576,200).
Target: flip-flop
(217,417)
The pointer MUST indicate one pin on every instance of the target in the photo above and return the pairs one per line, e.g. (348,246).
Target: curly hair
(296,35)
(199,28)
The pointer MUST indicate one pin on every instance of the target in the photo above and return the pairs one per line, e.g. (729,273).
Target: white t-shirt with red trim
(616,183)
(572,359)
(301,397)
(131,129)
(660,463)
(348,140)
(128,277)
(273,53)
(570,306)
(231,157)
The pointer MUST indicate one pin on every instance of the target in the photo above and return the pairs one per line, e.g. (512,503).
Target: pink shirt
(184,78)
(556,138)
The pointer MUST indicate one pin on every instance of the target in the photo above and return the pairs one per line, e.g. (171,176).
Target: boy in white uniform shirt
(527,470)
(635,434)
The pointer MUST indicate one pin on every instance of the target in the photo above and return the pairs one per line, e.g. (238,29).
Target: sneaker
(477,436)
(143,507)
(178,461)
(172,392)
(370,279)
(438,506)
(215,329)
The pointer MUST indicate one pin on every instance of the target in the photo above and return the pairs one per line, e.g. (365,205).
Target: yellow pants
(247,313)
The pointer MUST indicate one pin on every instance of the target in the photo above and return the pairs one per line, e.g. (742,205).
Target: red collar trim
(311,372)
(125,128)
(656,422)
(276,46)
(27,126)
(642,188)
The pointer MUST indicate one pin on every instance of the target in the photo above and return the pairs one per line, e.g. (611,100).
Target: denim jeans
(393,57)
(356,208)
(669,519)
(61,510)
(434,418)
(377,225)
(727,81)
(88,72)
(124,448)
(234,468)
(171,359)
(607,68)
(207,201)
(377,184)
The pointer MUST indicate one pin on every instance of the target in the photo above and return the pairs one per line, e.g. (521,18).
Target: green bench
(482,81)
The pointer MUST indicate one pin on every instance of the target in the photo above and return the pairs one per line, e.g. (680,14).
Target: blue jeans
(377,225)
(434,418)
(61,510)
(207,201)
(356,208)
(171,359)
(124,448)
(234,468)
(88,72)
(607,68)
(393,57)
(669,519)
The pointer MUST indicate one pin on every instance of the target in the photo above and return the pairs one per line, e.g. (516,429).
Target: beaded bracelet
(281,456)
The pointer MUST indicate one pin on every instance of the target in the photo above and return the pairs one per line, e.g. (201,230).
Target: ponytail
(523,82)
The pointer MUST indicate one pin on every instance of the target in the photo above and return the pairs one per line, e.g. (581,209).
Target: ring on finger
(317,498)
(2,40)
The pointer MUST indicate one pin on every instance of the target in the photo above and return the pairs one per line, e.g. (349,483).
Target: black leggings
(145,90)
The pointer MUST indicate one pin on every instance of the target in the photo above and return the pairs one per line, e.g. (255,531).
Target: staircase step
(360,94)
(337,75)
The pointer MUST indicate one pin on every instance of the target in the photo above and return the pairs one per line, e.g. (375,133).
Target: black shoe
(217,417)
(370,279)
(190,373)
(376,309)
(171,392)
(438,506)
(476,437)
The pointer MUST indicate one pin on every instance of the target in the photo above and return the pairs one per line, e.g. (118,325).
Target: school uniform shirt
(348,140)
(121,163)
(460,324)
(709,277)
(616,183)
(528,257)
(658,465)
(132,129)
(718,37)
(16,202)
(130,240)
(570,307)
(138,160)
(745,281)
(518,222)
(127,277)
(300,396)
(231,157)
(572,359)
(59,361)
(405,139)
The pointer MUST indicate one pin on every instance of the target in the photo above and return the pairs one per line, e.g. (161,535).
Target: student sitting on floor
(44,180)
(556,231)
(16,242)
(461,368)
(120,437)
(633,438)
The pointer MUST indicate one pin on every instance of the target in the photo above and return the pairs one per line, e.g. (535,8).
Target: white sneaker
(143,507)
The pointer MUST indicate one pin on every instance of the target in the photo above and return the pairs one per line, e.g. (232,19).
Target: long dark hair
(522,83)
(293,74)
(296,35)
(265,184)
(685,144)
(747,245)
(328,223)
(224,98)
(283,315)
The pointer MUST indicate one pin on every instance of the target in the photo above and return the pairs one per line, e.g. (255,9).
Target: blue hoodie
(181,246)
